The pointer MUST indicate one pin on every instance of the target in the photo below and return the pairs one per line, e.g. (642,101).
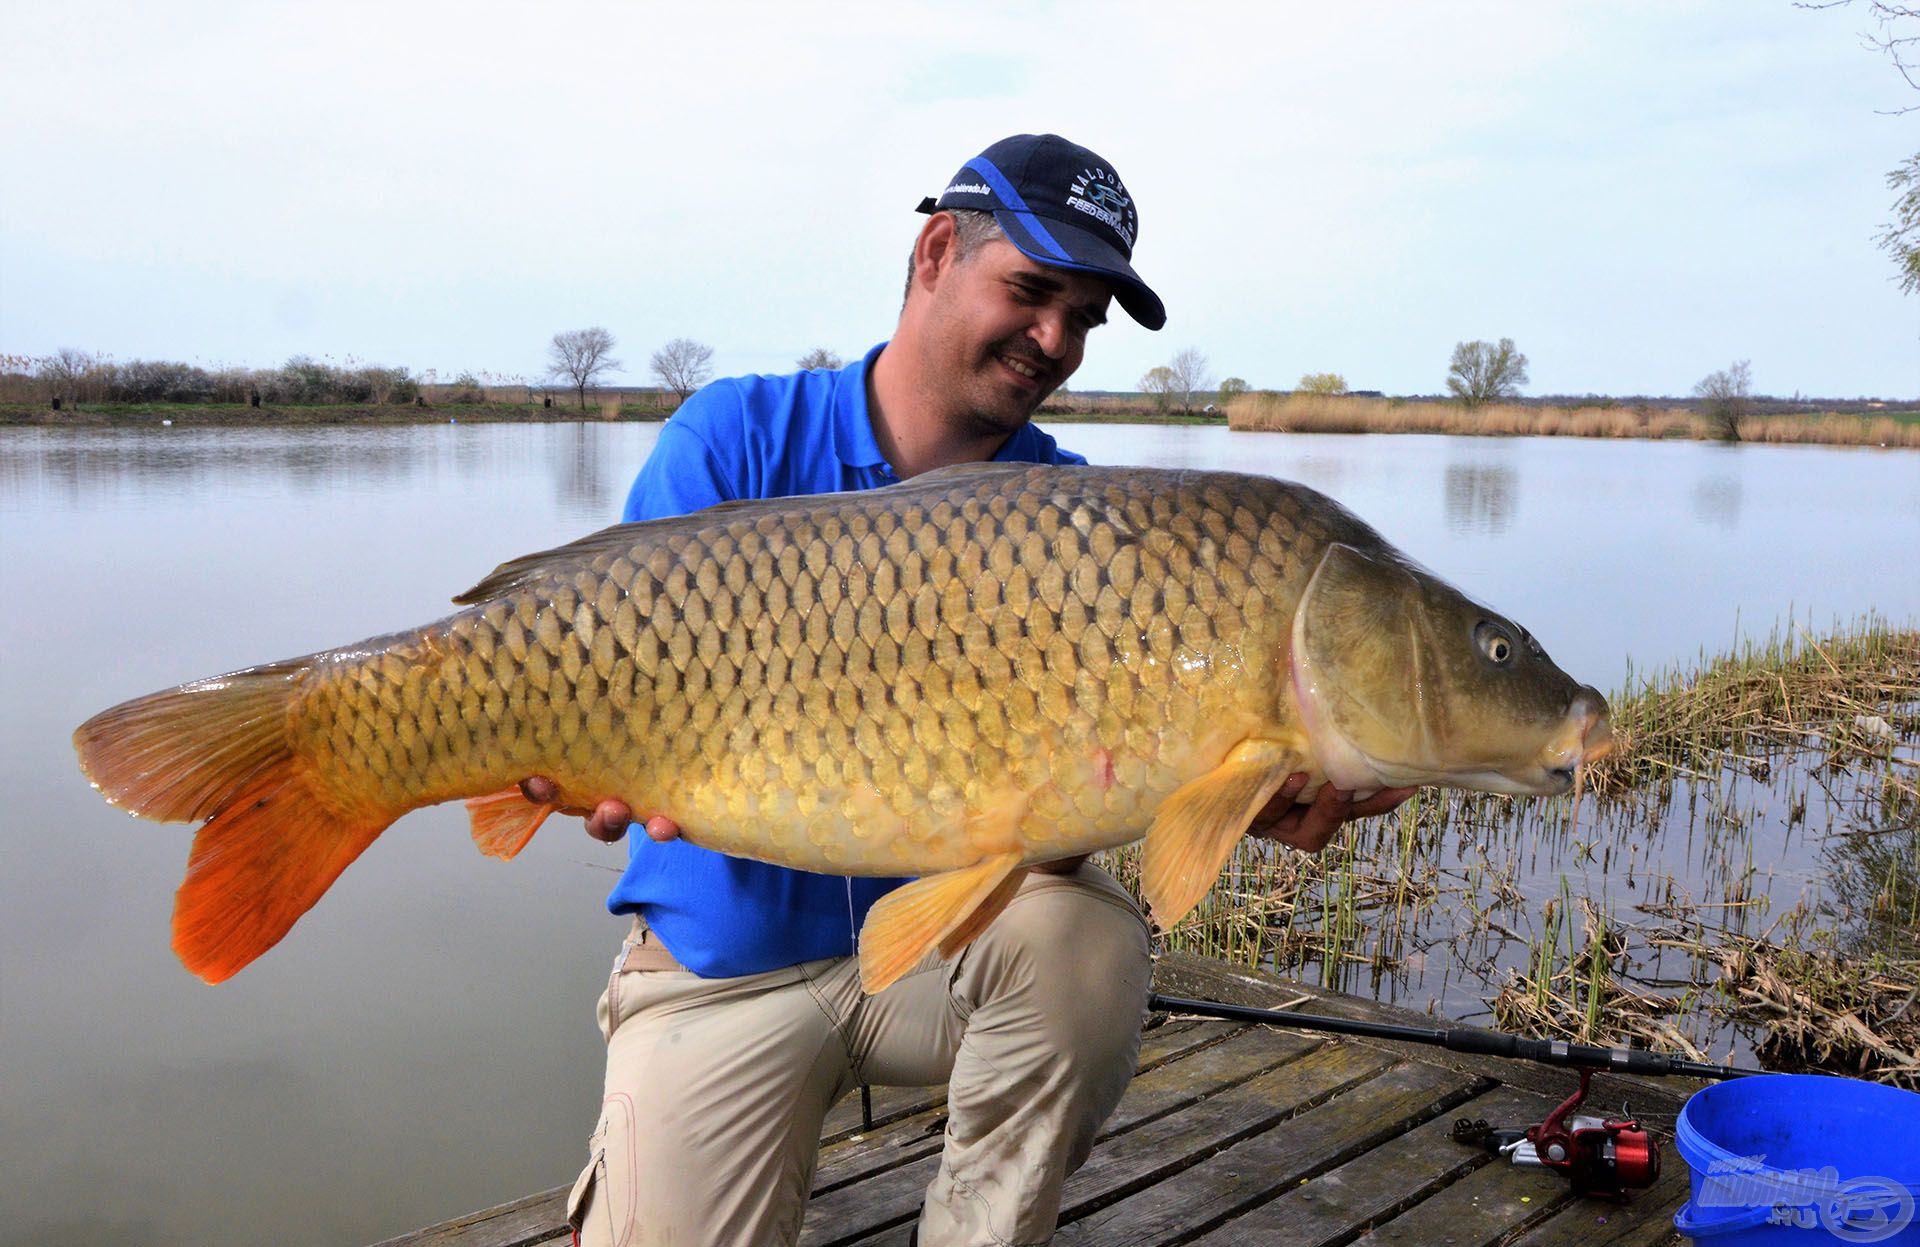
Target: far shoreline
(1898,428)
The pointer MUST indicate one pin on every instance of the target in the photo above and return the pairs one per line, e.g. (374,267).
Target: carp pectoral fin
(941,910)
(1196,828)
(504,821)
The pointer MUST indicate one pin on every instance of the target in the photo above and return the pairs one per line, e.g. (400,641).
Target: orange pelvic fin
(945,911)
(504,821)
(1196,828)
(273,843)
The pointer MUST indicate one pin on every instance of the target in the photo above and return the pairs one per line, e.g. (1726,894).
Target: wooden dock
(1233,1135)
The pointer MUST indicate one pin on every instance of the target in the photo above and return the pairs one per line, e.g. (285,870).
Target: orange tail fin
(217,750)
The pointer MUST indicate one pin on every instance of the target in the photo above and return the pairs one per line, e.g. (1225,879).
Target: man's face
(1006,332)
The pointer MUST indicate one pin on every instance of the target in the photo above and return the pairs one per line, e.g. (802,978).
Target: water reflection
(1716,500)
(577,475)
(103,534)
(1480,497)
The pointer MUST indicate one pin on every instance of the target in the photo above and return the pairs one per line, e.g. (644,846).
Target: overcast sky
(1637,193)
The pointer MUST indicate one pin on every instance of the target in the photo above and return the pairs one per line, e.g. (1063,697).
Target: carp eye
(1494,643)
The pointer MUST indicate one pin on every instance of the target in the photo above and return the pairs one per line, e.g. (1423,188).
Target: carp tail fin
(218,750)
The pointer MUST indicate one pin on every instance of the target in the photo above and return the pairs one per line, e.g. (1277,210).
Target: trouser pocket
(600,1206)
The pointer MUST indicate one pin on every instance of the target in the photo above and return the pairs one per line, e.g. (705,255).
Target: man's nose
(1049,332)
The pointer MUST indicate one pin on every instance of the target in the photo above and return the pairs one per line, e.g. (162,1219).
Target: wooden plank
(1483,1208)
(1253,1171)
(1351,1197)
(1136,1155)
(528,1222)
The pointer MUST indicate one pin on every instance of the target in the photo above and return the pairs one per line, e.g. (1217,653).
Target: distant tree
(683,366)
(64,371)
(821,357)
(1484,371)
(1726,397)
(1230,389)
(1191,380)
(580,355)
(1157,383)
(1322,383)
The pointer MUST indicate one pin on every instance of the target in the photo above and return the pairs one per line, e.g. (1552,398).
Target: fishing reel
(1601,1156)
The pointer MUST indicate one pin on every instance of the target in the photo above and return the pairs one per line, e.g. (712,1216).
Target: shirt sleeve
(683,474)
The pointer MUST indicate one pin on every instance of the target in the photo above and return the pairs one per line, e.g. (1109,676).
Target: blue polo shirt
(762,437)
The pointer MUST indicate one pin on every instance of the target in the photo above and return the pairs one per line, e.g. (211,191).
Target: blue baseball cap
(1063,206)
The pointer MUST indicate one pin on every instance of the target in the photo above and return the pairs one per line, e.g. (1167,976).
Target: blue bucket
(1800,1159)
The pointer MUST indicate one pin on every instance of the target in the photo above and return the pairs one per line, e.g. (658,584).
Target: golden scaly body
(893,682)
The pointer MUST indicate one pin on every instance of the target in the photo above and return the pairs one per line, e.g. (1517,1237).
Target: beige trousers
(717,1088)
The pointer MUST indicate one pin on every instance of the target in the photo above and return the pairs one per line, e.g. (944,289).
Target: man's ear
(935,250)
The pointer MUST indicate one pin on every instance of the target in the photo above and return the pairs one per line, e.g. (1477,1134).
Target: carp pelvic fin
(1196,828)
(504,821)
(946,911)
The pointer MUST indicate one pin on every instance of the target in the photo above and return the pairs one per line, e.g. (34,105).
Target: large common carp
(957,677)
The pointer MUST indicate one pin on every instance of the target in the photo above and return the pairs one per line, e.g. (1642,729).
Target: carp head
(1402,680)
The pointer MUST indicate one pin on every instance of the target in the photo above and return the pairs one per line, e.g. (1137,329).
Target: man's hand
(606,822)
(1312,826)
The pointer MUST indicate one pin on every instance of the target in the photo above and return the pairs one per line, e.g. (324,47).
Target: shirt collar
(853,439)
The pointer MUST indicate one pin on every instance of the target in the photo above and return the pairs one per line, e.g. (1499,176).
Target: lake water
(423,1043)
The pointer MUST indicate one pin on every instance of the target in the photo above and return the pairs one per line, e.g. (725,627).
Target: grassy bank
(1318,413)
(1741,878)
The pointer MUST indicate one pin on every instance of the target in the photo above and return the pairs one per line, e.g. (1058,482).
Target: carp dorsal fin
(1196,828)
(528,568)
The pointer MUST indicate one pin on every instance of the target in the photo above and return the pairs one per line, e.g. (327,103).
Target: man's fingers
(661,829)
(608,821)
(539,789)
(1380,802)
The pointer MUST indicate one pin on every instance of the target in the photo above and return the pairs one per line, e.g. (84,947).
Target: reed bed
(1346,413)
(1740,879)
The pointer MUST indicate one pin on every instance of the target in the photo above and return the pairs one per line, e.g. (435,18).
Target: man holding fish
(735,1015)
(1001,663)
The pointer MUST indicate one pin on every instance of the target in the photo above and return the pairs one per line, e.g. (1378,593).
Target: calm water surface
(423,1044)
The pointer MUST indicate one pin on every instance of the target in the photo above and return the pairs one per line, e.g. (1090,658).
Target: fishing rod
(1467,1039)
(1600,1156)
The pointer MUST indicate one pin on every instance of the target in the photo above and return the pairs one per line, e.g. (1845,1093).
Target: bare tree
(1157,383)
(580,355)
(1484,371)
(820,357)
(1191,379)
(1726,397)
(65,371)
(683,366)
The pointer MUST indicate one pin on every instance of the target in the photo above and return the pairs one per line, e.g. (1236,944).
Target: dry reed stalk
(609,406)
(1345,413)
